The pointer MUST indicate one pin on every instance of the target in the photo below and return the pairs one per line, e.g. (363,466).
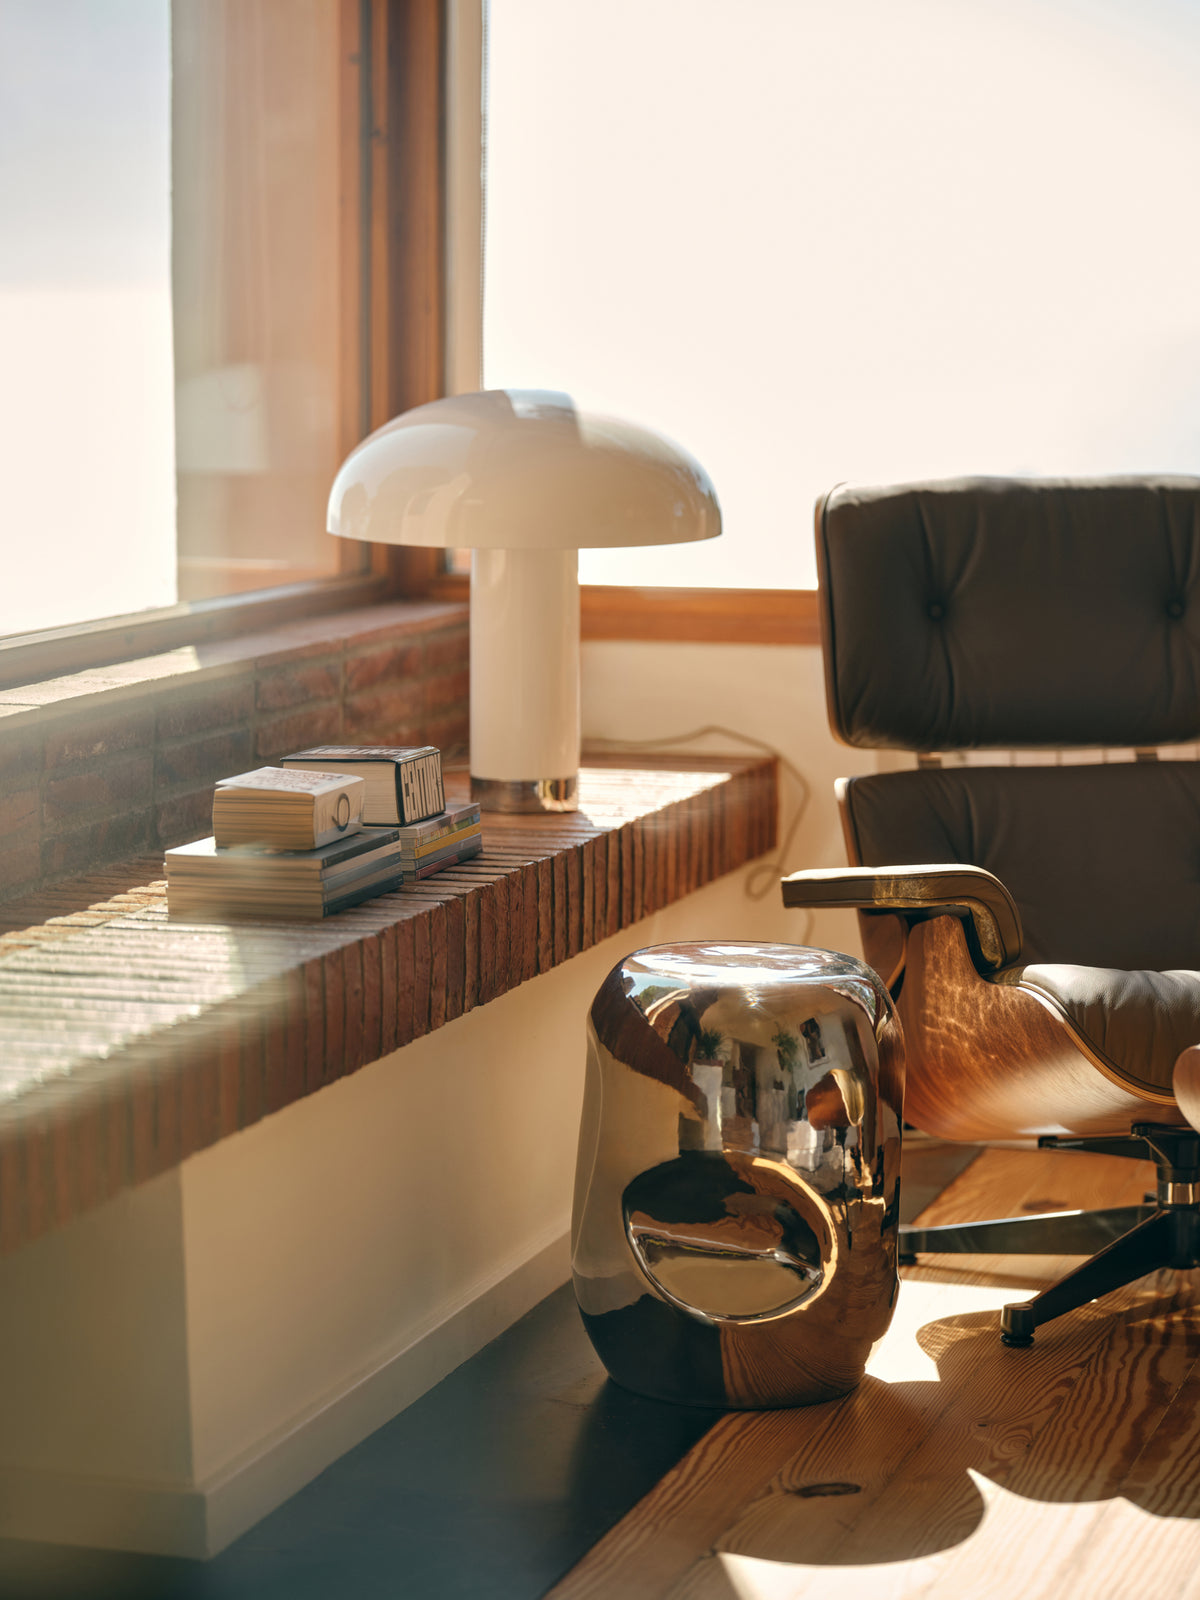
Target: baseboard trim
(200,1520)
(242,1495)
(102,1513)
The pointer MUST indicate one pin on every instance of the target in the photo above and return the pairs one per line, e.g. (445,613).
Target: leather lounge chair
(1038,924)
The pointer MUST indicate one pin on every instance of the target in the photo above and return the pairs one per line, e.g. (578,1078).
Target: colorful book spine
(450,858)
(444,841)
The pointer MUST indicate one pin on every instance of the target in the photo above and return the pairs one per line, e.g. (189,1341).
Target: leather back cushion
(1103,861)
(1007,614)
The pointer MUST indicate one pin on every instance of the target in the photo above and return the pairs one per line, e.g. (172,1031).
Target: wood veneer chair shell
(996,1061)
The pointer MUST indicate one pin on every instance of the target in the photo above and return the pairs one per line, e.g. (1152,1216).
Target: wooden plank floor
(958,1468)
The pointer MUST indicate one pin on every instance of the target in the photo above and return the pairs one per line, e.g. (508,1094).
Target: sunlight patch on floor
(1022,1546)
(749,1578)
(899,1358)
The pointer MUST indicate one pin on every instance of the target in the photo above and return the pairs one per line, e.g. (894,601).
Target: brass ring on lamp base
(526,794)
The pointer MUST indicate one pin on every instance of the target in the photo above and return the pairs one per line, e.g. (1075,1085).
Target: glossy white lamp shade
(524,480)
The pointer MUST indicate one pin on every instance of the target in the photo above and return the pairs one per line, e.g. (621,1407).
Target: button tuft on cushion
(1175,607)
(936,610)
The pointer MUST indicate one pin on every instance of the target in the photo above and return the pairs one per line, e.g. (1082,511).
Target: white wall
(94,1380)
(774,694)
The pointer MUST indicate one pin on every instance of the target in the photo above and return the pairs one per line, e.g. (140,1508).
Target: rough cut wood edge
(129,1040)
(681,616)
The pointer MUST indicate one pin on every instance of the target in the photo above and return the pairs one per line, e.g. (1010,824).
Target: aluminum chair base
(1123,1243)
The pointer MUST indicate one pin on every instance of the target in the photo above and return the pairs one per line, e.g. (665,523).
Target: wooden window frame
(681,616)
(400,250)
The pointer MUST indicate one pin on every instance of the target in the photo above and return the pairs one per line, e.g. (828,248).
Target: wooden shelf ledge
(130,1039)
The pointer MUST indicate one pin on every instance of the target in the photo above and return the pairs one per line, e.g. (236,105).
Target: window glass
(177,299)
(868,241)
(86,415)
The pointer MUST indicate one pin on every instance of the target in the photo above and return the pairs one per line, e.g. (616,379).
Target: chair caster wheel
(1016,1327)
(906,1258)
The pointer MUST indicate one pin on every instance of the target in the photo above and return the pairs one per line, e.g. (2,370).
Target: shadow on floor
(1030,1476)
(488,1488)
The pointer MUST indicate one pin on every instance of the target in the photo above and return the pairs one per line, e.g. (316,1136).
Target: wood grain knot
(810,1491)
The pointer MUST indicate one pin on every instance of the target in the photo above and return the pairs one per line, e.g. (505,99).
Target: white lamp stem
(525,679)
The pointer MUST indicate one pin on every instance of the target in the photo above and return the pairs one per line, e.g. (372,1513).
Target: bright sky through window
(875,241)
(179,281)
(87,428)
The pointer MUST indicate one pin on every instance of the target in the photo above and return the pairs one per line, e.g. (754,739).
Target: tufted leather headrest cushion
(996,613)
(1103,861)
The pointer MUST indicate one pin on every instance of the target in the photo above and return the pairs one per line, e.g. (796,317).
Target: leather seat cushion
(1138,1021)
(1102,861)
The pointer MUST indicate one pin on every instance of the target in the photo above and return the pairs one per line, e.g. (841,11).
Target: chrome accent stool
(737,1190)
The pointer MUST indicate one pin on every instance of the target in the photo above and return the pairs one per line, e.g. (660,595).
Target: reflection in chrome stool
(737,1194)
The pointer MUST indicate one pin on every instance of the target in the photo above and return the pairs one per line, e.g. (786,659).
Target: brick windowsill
(131,1040)
(115,762)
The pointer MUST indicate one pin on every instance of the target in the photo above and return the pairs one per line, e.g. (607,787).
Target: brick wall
(111,763)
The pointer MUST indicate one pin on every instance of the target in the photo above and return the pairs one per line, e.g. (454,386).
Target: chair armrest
(950,887)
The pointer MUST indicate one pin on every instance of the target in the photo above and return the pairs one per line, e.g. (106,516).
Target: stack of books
(403,786)
(206,880)
(300,840)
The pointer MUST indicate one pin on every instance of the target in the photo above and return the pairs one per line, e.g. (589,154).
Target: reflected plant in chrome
(737,1191)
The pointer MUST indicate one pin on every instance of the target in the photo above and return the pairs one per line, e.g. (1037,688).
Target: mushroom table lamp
(523,480)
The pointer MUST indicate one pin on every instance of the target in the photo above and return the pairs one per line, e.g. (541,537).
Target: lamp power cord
(760,879)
